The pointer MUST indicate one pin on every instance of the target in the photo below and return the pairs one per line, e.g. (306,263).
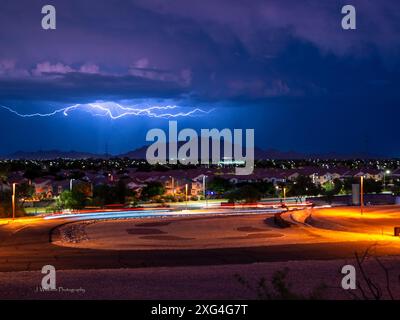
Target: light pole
(278,189)
(71,184)
(186,195)
(110,177)
(284,194)
(204,190)
(13,201)
(384,178)
(362,194)
(173,186)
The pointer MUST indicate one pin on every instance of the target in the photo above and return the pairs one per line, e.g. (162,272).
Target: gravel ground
(209,282)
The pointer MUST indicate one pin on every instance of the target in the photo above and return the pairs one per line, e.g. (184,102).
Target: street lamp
(204,190)
(71,184)
(13,201)
(362,194)
(186,195)
(384,178)
(283,199)
(173,186)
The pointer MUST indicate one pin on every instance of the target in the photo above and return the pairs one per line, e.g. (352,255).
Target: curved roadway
(27,244)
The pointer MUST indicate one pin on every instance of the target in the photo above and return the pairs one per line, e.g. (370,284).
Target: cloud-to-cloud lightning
(116,111)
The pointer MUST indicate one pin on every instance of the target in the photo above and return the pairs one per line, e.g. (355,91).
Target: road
(27,245)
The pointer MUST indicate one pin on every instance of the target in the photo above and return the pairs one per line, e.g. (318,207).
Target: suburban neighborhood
(48,185)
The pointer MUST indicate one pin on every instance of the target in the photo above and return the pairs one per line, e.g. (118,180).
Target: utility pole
(362,194)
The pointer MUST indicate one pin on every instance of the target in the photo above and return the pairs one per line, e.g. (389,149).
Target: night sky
(285,68)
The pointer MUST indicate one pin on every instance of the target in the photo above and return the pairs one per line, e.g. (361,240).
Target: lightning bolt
(116,111)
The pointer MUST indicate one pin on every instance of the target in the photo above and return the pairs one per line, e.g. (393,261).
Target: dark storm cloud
(210,49)
(85,87)
(318,86)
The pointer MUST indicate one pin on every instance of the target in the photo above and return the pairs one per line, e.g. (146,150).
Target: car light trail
(107,214)
(152,213)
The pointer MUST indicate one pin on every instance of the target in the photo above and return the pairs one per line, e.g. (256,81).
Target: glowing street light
(386,172)
(173,186)
(283,191)
(204,190)
(13,201)
(362,194)
(186,195)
